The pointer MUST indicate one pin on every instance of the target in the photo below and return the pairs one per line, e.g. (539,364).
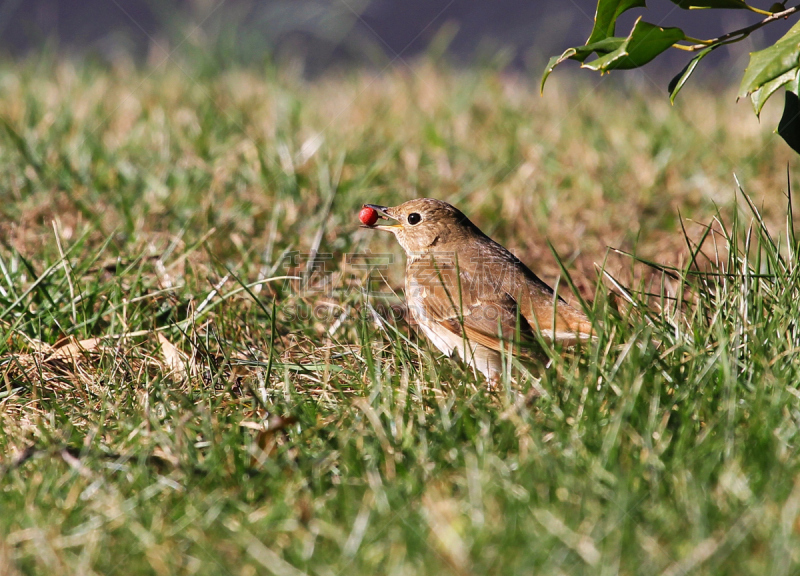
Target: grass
(172,403)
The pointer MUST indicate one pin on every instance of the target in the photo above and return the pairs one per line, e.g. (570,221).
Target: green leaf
(789,126)
(794,85)
(553,62)
(680,79)
(770,63)
(581,53)
(760,96)
(605,19)
(698,4)
(645,42)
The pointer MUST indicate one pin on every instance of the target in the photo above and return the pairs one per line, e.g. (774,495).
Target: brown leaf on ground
(176,362)
(71,348)
(70,364)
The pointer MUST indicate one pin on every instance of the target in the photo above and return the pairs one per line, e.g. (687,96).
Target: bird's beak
(386,213)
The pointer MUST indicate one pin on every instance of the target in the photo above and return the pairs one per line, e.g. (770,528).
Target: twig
(740,34)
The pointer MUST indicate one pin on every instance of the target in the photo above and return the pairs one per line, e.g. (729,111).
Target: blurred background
(320,34)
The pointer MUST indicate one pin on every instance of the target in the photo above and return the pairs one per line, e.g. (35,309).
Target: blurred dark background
(319,34)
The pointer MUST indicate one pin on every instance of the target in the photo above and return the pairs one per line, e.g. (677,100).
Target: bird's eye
(414,218)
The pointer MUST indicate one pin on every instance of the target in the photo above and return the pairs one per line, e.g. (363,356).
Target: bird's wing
(466,304)
(555,320)
(546,312)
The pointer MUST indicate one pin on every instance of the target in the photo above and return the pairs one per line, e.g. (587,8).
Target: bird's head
(425,224)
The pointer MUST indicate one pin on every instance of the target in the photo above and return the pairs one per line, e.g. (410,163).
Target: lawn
(207,369)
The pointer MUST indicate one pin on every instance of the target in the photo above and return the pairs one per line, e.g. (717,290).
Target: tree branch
(742,33)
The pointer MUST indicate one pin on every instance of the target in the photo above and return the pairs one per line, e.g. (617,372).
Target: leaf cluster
(774,67)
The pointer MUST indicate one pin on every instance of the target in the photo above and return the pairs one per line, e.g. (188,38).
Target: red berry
(368,216)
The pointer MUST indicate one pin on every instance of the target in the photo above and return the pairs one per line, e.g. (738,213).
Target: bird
(469,294)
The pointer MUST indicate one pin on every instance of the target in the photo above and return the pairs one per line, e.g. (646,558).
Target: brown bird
(468,293)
